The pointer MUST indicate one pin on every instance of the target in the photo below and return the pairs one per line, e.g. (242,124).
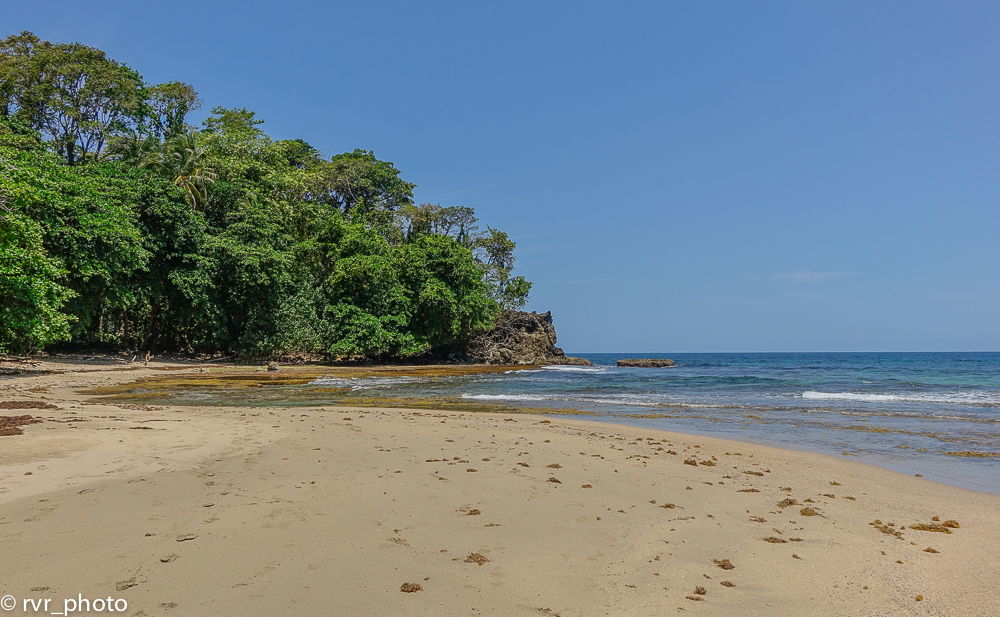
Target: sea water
(937,414)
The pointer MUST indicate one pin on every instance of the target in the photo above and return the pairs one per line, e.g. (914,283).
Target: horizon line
(733,352)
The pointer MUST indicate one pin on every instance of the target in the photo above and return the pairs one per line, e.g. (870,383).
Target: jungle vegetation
(124,226)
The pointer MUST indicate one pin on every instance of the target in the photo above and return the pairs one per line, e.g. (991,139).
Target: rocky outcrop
(646,362)
(520,338)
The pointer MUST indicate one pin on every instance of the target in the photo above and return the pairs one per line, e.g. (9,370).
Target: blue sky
(680,176)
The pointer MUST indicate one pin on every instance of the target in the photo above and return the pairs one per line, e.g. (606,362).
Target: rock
(123,585)
(520,337)
(646,362)
(272,366)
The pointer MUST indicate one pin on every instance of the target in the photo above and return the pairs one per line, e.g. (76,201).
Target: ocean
(937,414)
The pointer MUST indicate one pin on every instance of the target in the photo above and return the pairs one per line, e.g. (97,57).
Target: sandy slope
(328,511)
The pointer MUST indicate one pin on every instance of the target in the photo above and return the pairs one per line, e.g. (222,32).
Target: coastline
(332,509)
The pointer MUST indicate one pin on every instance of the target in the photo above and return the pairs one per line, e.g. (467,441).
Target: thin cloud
(806,277)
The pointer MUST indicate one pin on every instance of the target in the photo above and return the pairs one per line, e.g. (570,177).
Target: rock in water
(520,337)
(646,362)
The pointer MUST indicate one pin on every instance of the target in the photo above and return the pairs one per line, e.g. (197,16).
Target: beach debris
(700,591)
(186,537)
(477,558)
(725,564)
(940,528)
(554,466)
(126,584)
(931,550)
(754,473)
(410,587)
(888,529)
(474,512)
(11,425)
(788,501)
(758,519)
(748,490)
(169,558)
(727,583)
(27,405)
(691,461)
(775,540)
(808,511)
(919,598)
(586,486)
(472,470)
(554,480)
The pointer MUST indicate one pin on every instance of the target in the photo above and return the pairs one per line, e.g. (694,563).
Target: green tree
(495,251)
(71,92)
(32,297)
(185,163)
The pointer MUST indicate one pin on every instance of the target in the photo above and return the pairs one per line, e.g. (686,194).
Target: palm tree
(182,161)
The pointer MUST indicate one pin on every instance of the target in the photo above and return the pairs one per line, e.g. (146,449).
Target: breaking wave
(957,398)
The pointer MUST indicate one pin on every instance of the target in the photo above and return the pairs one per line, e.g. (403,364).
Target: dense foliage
(122,225)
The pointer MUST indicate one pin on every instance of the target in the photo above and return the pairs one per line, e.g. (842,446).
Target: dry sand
(329,511)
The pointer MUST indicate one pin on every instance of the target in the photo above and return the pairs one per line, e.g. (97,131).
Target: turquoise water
(905,411)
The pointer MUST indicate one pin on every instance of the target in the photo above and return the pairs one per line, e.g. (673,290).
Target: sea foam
(958,398)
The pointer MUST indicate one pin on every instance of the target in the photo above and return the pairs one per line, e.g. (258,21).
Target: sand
(331,511)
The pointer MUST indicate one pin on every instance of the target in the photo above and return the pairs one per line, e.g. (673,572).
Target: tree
(31,294)
(459,222)
(70,92)
(357,182)
(184,162)
(495,251)
(167,107)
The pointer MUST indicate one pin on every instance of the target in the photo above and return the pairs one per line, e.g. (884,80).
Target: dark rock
(520,337)
(646,362)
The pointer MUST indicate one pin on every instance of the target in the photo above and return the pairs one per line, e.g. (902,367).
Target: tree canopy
(123,225)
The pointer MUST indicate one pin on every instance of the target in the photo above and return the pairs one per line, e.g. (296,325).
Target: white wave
(629,400)
(509,397)
(959,398)
(568,368)
(363,383)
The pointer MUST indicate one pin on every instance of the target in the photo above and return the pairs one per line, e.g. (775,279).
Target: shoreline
(313,508)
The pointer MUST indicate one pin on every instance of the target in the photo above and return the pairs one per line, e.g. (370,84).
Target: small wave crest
(363,383)
(569,368)
(957,398)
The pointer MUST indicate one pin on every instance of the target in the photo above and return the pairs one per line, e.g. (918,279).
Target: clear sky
(680,176)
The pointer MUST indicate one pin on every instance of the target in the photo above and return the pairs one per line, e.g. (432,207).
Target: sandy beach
(250,511)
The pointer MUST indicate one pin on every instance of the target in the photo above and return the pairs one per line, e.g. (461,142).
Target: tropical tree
(184,162)
(70,92)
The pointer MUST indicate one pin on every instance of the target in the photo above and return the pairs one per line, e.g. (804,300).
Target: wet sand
(330,511)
